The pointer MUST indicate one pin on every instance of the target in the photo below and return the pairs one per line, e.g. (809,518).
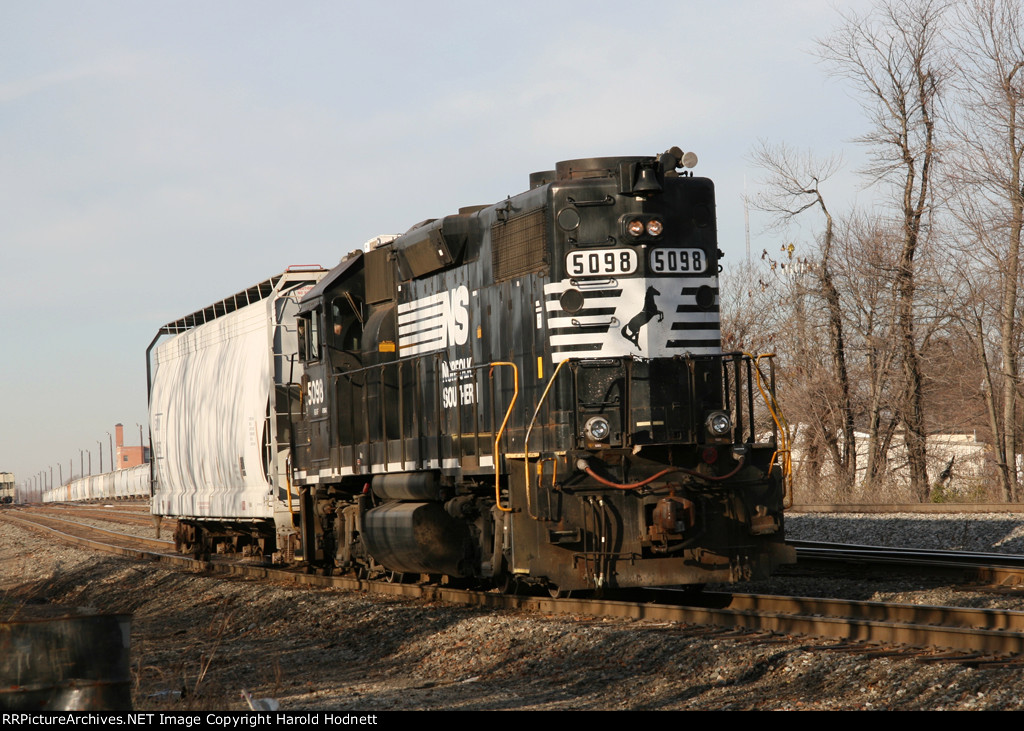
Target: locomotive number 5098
(678,261)
(600,262)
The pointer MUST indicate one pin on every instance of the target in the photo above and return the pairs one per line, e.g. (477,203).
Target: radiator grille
(519,245)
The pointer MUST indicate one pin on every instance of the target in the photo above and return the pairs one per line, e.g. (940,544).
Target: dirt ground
(199,641)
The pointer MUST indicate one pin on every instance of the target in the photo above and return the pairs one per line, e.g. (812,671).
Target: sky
(157,156)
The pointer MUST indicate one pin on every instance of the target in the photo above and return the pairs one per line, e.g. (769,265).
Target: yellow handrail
(785,451)
(497,438)
(526,441)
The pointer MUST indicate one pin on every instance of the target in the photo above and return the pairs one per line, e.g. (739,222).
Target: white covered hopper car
(132,482)
(219,401)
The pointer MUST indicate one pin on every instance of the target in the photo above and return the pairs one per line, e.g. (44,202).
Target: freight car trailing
(6,488)
(130,483)
(532,391)
(220,419)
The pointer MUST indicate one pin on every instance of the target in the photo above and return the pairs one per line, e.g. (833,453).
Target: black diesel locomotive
(535,391)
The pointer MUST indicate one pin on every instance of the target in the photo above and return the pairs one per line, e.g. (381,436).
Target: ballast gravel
(981,532)
(198,641)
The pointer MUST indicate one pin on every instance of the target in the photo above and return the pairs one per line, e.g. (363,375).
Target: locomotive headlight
(640,225)
(718,423)
(597,428)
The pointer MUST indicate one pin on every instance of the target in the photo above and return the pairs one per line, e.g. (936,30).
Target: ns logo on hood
(434,322)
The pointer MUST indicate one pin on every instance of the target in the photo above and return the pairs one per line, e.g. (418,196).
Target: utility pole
(746,216)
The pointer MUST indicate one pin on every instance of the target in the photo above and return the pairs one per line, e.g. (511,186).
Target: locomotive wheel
(508,584)
(556,593)
(377,572)
(505,581)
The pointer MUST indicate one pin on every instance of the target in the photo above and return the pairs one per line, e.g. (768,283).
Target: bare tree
(780,304)
(865,261)
(989,79)
(793,186)
(748,311)
(891,55)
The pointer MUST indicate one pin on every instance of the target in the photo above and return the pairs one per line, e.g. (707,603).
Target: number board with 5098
(617,262)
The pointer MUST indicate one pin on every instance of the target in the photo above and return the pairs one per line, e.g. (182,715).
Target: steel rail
(909,508)
(1005,569)
(108,514)
(1007,621)
(942,554)
(997,632)
(40,520)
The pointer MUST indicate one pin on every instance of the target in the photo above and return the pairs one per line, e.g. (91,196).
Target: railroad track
(88,535)
(978,636)
(117,515)
(908,508)
(1001,569)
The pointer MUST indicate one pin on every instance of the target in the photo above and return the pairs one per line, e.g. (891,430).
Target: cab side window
(309,337)
(347,327)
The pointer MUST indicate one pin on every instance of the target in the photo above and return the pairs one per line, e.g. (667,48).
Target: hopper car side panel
(211,388)
(220,418)
(130,483)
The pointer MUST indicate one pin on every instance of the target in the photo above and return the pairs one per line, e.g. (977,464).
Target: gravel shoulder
(197,641)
